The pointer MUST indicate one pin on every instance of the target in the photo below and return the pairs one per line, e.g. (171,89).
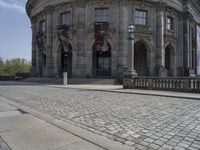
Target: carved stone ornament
(63,37)
(40,40)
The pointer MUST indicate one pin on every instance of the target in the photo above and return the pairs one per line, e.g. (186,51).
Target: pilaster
(49,41)
(160,51)
(80,34)
(34,48)
(186,43)
(123,37)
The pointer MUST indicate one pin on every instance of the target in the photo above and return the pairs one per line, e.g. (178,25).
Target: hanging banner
(101,36)
(63,37)
(198,50)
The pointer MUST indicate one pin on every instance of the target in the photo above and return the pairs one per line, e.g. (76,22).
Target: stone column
(80,33)
(186,43)
(34,48)
(49,42)
(160,51)
(123,37)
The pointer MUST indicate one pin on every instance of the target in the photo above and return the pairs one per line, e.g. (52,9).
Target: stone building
(89,39)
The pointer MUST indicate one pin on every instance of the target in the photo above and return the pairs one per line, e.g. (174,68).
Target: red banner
(101,35)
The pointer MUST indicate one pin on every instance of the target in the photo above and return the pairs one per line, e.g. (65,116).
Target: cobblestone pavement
(144,122)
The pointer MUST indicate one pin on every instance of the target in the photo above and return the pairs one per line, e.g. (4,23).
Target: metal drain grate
(3,145)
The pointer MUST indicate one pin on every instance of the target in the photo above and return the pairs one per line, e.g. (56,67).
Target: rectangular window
(101,15)
(141,17)
(66,18)
(170,23)
(42,26)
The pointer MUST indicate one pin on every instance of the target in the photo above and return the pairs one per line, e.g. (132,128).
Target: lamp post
(131,29)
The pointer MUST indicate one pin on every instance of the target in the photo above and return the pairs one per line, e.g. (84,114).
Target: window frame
(69,19)
(42,26)
(98,17)
(170,23)
(143,19)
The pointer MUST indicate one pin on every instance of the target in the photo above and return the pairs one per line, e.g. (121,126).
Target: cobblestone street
(145,122)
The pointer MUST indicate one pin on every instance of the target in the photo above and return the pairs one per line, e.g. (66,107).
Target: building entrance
(169,60)
(140,59)
(66,61)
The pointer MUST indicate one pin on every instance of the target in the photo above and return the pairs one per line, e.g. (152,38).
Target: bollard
(65,78)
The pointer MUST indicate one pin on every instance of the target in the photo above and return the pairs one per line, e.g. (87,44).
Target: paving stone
(154,146)
(129,143)
(158,142)
(167,146)
(167,136)
(188,139)
(140,147)
(135,135)
(195,146)
(178,148)
(183,145)
(171,143)
(126,118)
(144,143)
(163,139)
(149,140)
(192,148)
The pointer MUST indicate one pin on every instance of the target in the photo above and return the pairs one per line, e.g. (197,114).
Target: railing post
(150,83)
(126,83)
(186,85)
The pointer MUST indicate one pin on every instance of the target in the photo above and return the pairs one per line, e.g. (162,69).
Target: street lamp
(131,29)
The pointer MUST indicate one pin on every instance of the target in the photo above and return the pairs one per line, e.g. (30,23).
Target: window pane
(141,17)
(101,15)
(66,18)
(168,26)
(42,26)
(170,23)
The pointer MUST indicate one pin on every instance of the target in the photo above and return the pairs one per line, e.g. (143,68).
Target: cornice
(34,7)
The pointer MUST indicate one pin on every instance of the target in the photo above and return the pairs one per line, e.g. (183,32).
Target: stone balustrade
(190,84)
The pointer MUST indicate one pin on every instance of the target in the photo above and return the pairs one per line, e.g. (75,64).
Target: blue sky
(15,30)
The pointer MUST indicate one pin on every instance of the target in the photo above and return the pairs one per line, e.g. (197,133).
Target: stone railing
(159,83)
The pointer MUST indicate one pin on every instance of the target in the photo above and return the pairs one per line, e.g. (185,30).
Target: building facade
(89,38)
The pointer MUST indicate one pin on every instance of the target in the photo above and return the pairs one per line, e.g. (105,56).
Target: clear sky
(15,30)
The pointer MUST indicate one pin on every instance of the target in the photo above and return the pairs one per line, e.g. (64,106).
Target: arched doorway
(102,60)
(140,58)
(66,60)
(169,60)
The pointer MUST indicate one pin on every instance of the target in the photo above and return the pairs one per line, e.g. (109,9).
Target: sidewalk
(21,131)
(119,89)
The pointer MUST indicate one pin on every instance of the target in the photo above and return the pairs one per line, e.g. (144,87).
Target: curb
(86,135)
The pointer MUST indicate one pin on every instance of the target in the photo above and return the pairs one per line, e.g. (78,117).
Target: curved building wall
(95,44)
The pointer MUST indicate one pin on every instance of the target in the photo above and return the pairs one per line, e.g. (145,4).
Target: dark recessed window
(101,14)
(141,17)
(44,61)
(42,26)
(66,18)
(170,23)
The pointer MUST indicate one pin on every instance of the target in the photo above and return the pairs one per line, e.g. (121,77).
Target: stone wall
(154,35)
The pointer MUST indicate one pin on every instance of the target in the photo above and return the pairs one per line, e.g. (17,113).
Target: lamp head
(131,28)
